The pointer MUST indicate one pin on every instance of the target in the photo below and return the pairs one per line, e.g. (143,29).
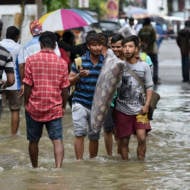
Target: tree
(56,4)
(39,4)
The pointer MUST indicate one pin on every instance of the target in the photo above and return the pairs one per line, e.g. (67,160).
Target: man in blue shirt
(84,77)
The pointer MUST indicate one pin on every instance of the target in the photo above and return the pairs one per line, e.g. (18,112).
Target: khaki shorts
(81,122)
(14,100)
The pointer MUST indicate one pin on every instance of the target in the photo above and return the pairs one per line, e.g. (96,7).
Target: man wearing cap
(30,48)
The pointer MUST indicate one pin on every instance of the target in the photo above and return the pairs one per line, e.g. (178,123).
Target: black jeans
(154,58)
(185,61)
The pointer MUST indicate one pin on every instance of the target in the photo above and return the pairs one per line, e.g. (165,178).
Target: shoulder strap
(136,77)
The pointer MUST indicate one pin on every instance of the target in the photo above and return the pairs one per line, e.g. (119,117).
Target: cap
(35,28)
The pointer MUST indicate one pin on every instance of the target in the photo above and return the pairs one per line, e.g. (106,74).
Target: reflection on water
(167,165)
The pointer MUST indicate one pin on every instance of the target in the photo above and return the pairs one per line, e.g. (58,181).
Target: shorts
(81,122)
(108,124)
(35,128)
(126,125)
(14,100)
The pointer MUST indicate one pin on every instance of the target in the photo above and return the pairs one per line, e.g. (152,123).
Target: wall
(9,15)
(154,7)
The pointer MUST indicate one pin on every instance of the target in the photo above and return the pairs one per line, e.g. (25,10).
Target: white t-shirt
(14,49)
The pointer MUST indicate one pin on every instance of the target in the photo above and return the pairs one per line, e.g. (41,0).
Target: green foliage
(96,6)
(56,4)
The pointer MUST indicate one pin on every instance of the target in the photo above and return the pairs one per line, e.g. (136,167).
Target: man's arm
(65,93)
(21,70)
(73,78)
(145,108)
(10,79)
(27,92)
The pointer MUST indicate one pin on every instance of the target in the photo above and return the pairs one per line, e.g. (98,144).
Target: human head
(47,40)
(35,28)
(130,47)
(91,36)
(94,44)
(13,33)
(69,37)
(103,39)
(131,21)
(187,23)
(146,21)
(116,45)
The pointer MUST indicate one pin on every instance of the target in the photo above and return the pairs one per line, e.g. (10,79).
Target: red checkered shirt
(47,74)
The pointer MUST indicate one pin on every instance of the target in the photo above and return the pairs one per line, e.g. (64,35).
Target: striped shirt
(85,87)
(6,62)
(47,74)
(14,49)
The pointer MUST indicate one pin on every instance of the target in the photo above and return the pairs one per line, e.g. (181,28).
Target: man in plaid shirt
(46,89)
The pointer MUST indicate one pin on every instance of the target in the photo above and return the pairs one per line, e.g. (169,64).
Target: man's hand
(21,92)
(145,109)
(3,84)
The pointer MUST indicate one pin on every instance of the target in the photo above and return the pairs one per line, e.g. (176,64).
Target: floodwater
(167,164)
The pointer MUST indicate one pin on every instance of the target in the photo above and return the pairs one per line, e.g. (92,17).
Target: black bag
(155,96)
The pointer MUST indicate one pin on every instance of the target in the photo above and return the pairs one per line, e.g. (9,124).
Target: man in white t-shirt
(13,92)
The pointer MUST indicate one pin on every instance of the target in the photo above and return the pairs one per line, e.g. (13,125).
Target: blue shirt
(85,87)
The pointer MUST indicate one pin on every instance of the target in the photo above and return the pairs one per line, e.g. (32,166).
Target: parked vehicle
(107,26)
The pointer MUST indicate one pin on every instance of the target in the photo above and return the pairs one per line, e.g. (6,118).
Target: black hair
(12,33)
(146,21)
(131,19)
(48,39)
(68,37)
(132,38)
(187,23)
(117,37)
(91,37)
(102,39)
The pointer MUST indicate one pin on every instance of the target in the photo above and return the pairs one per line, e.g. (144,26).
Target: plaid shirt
(47,74)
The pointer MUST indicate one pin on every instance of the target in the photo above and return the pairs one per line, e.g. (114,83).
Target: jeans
(154,58)
(185,67)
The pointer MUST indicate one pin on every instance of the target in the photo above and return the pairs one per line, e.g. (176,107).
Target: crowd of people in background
(44,69)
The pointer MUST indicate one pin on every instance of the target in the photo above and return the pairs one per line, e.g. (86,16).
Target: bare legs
(14,121)
(93,148)
(141,148)
(108,140)
(33,152)
(58,152)
(79,148)
(124,147)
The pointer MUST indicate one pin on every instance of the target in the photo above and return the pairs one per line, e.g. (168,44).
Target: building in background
(179,8)
(14,12)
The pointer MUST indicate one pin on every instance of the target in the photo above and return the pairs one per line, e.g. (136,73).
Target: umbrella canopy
(64,19)
(136,12)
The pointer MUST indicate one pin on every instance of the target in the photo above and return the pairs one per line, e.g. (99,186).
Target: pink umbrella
(64,19)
